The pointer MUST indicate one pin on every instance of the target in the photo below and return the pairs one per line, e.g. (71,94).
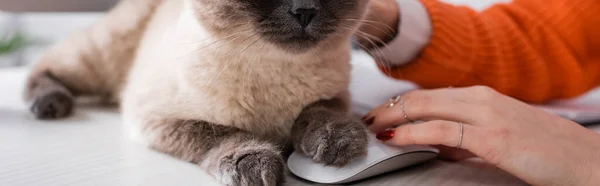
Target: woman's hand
(380,24)
(540,148)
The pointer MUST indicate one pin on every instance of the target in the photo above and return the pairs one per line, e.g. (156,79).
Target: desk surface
(91,149)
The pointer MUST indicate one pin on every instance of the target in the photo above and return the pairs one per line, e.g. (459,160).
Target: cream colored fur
(182,71)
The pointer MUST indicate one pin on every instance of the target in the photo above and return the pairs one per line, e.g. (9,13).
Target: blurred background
(27,27)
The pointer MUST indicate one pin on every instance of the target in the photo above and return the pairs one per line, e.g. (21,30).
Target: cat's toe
(52,105)
(265,168)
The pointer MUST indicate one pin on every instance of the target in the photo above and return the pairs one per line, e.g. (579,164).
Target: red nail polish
(386,135)
(370,121)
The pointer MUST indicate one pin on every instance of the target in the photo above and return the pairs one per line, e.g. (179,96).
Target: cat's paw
(263,168)
(256,167)
(52,105)
(336,142)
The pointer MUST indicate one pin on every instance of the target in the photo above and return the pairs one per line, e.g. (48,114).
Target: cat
(223,84)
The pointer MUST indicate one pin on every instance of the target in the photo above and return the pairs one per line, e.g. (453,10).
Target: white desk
(91,149)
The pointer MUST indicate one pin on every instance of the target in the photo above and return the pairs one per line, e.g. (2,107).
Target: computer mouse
(381,158)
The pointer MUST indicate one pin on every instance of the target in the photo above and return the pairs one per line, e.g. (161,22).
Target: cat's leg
(94,61)
(233,156)
(327,133)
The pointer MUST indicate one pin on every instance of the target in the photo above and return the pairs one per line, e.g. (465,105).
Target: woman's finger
(424,105)
(438,132)
(473,94)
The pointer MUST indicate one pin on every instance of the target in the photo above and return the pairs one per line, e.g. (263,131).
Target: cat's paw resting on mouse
(329,137)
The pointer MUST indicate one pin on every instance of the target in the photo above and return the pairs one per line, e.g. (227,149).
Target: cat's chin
(299,44)
(297,48)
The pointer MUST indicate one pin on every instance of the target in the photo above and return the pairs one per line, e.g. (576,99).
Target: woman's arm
(533,50)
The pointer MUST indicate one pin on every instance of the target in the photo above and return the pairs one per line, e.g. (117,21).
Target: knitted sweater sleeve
(533,50)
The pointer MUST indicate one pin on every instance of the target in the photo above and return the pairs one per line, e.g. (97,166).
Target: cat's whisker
(364,20)
(388,31)
(239,61)
(368,38)
(242,54)
(231,48)
(216,20)
(238,25)
(385,45)
(379,18)
(328,44)
(248,66)
(211,85)
(200,49)
(387,65)
(213,36)
(225,44)
(206,46)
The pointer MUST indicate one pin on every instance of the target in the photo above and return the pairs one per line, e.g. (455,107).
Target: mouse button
(385,148)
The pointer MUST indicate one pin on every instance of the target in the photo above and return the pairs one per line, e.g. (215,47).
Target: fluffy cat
(224,84)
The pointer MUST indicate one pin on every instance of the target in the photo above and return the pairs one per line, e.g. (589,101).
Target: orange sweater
(533,50)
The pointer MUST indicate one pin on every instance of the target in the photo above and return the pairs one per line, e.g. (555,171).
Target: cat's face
(293,25)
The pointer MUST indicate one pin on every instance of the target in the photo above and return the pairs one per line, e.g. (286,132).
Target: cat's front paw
(254,168)
(52,105)
(336,142)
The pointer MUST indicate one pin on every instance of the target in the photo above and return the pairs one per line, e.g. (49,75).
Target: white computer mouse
(381,158)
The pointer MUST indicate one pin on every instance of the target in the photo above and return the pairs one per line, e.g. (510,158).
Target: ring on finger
(394,100)
(404,111)
(460,137)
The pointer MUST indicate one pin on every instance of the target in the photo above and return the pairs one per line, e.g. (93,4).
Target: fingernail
(369,121)
(386,135)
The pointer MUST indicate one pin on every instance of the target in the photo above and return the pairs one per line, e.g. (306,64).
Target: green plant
(11,43)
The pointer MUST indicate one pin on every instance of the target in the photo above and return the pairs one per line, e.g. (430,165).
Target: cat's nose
(304,15)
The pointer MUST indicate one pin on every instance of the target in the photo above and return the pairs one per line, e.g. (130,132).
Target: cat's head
(292,25)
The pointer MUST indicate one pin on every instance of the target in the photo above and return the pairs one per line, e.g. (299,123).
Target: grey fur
(50,99)
(325,132)
(234,156)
